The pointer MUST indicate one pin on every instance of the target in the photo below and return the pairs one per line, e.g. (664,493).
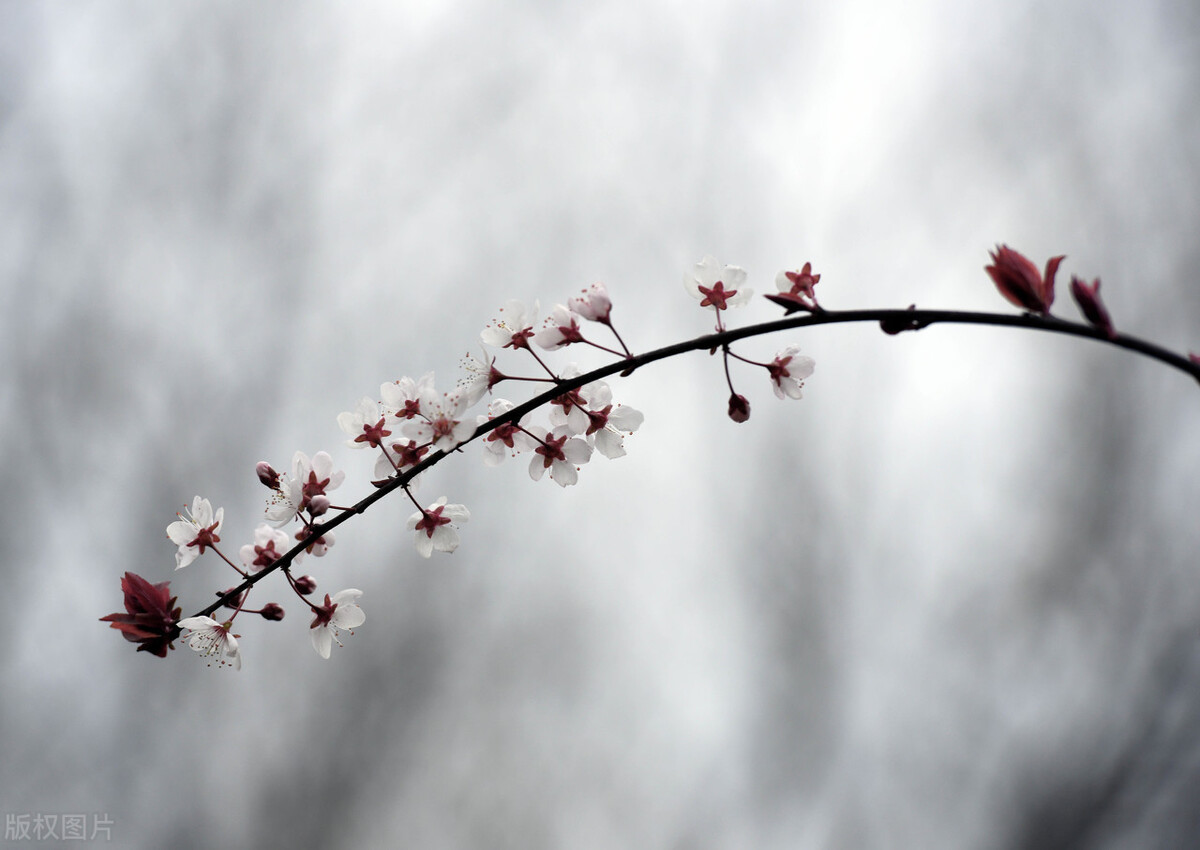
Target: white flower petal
(322,641)
(564,474)
(609,443)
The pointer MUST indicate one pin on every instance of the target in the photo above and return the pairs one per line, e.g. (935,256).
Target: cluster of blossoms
(721,287)
(412,425)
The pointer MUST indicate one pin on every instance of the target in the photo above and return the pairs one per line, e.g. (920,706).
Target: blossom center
(431,520)
(779,369)
(206,537)
(552,449)
(503,434)
(717,296)
(323,614)
(597,419)
(373,435)
(314,487)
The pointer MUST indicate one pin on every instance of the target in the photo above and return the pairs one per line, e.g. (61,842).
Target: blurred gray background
(950,599)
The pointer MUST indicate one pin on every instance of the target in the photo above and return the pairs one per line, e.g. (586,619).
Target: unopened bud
(1087,296)
(306,584)
(739,408)
(267,475)
(318,505)
(232,601)
(272,611)
(1019,280)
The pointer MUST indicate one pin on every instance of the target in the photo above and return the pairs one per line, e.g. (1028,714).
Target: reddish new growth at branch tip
(1093,309)
(1020,282)
(151,617)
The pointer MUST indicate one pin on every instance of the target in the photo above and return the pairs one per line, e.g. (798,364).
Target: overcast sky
(949,599)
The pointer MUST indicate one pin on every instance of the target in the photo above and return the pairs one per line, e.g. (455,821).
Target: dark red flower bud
(234,602)
(272,611)
(739,408)
(306,584)
(1019,280)
(267,475)
(1088,299)
(149,619)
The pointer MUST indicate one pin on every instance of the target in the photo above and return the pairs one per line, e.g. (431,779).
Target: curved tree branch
(891,321)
